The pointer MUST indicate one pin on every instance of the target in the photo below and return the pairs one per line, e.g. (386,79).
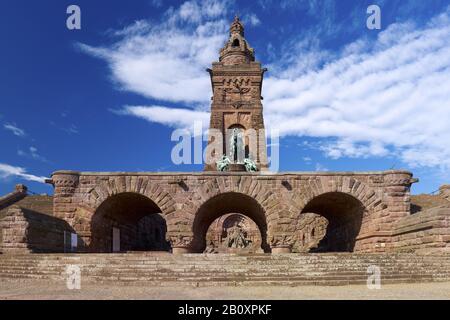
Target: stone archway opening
(128,222)
(329,222)
(235,213)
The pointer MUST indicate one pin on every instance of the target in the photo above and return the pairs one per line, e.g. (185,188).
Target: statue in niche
(236,237)
(237,148)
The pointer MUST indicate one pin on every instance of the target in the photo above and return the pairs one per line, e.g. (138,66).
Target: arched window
(236,43)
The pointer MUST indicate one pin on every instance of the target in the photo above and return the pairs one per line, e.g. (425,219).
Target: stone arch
(110,186)
(316,186)
(225,203)
(136,221)
(246,184)
(130,184)
(343,215)
(359,197)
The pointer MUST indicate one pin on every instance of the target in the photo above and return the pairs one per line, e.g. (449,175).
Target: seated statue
(236,237)
(250,165)
(223,163)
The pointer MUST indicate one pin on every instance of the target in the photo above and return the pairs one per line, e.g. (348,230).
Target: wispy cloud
(14,129)
(31,153)
(70,129)
(7,171)
(251,19)
(376,98)
(172,117)
(321,167)
(167,61)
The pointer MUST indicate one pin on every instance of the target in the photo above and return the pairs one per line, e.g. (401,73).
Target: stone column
(180,243)
(281,243)
(64,208)
(397,192)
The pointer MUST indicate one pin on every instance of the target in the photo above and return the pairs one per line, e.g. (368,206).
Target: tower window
(235,43)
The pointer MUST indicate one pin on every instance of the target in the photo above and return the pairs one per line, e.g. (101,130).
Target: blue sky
(107,97)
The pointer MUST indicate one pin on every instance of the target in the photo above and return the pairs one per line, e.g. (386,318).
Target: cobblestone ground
(46,290)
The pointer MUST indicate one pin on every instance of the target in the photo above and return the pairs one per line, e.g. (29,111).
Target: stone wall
(280,198)
(424,232)
(311,230)
(24,230)
(19,193)
(444,191)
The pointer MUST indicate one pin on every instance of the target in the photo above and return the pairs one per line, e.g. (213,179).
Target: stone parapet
(281,197)
(427,231)
(19,193)
(24,231)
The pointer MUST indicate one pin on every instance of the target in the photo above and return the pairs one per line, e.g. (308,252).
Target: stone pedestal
(284,249)
(180,250)
(236,167)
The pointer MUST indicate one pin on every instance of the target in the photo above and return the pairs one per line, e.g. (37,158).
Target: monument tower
(236,107)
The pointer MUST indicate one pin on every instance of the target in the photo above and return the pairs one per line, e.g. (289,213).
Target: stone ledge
(209,173)
(18,194)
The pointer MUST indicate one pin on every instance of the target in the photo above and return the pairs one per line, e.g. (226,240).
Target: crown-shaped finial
(237,26)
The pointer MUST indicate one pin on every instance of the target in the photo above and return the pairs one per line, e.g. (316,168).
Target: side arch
(314,187)
(128,222)
(347,204)
(139,185)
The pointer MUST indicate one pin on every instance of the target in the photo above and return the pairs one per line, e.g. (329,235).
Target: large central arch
(130,219)
(224,203)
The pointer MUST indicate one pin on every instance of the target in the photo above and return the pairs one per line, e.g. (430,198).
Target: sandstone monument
(243,207)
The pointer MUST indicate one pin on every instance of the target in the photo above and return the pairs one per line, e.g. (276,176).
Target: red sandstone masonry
(384,195)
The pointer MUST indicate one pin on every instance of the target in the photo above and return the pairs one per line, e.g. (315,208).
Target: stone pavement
(38,289)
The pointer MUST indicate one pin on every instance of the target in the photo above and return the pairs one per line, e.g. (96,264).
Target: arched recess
(246,139)
(344,215)
(128,222)
(224,203)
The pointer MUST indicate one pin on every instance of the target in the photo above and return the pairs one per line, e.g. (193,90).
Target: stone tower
(236,103)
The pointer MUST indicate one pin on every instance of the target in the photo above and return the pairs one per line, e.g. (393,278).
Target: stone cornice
(292,174)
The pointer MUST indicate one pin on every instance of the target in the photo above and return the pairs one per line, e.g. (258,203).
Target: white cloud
(11,171)
(14,129)
(168,61)
(388,97)
(375,99)
(32,153)
(251,19)
(321,167)
(172,117)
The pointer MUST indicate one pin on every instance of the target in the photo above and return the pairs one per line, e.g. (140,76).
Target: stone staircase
(163,269)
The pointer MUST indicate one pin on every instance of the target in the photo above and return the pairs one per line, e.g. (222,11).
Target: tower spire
(236,26)
(236,50)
